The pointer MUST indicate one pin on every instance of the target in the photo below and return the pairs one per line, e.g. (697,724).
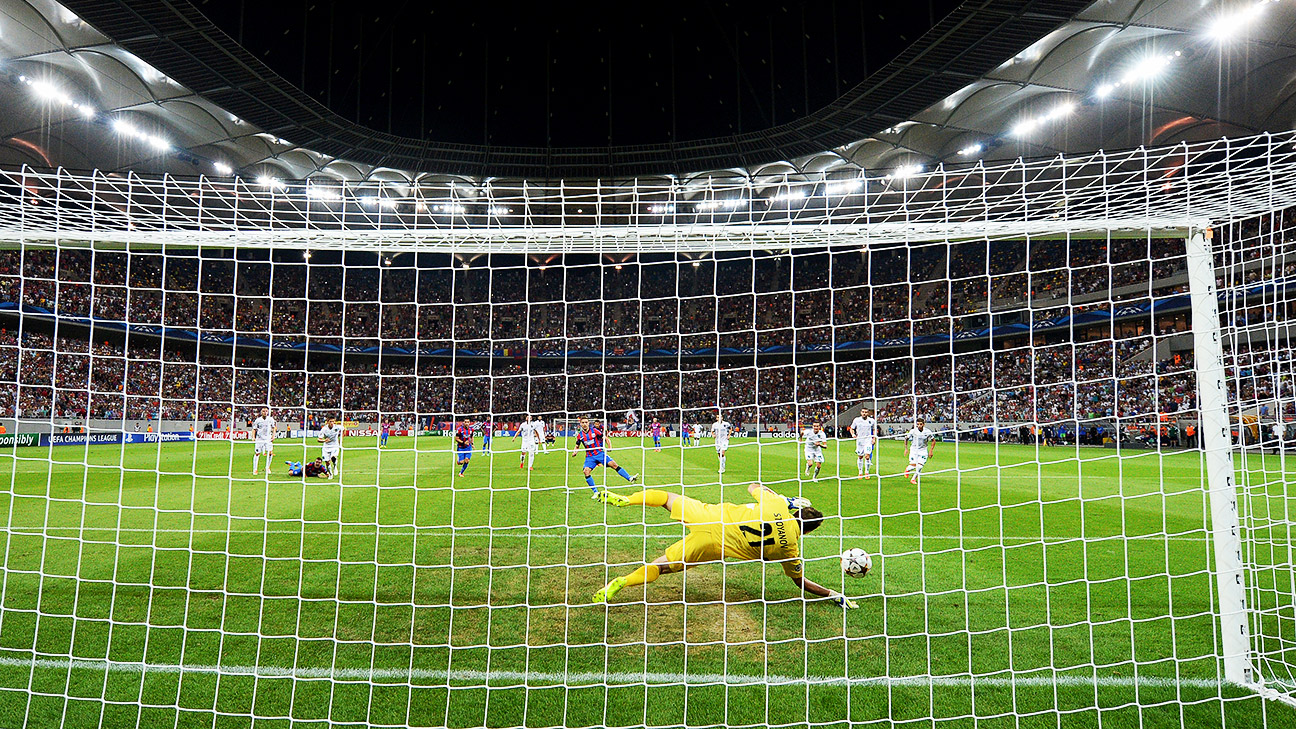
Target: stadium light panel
(121,126)
(319,192)
(971,149)
(1103,91)
(1147,68)
(788,195)
(1227,26)
(844,187)
(269,182)
(223,168)
(719,203)
(498,210)
(904,172)
(386,203)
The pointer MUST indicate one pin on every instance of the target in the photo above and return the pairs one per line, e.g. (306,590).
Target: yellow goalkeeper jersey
(762,530)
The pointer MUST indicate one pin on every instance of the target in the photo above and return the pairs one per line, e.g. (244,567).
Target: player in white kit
(331,436)
(698,431)
(814,438)
(720,431)
(542,437)
(864,428)
(531,433)
(263,429)
(922,443)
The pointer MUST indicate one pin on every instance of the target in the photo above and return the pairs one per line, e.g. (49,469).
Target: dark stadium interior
(537,74)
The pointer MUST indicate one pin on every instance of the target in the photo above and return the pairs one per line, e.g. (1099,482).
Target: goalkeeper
(769,529)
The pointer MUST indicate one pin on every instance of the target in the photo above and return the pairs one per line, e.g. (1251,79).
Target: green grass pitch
(224,600)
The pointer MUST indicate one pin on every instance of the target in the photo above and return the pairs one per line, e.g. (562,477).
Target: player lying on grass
(591,439)
(769,530)
(316,467)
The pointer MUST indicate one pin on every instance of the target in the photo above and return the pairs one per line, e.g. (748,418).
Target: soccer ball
(856,562)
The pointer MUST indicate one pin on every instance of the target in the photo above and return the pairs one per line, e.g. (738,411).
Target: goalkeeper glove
(798,502)
(842,600)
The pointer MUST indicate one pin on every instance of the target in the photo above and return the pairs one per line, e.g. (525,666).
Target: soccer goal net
(303,453)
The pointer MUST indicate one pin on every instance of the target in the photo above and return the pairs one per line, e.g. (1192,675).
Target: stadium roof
(153,86)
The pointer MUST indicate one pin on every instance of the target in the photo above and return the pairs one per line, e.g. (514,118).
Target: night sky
(561,74)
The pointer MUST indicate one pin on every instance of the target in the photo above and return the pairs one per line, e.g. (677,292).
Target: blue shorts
(598,459)
(464,453)
(656,440)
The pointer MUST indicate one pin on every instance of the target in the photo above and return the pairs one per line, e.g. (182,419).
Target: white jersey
(331,436)
(530,433)
(264,428)
(865,429)
(698,430)
(920,440)
(631,417)
(539,426)
(814,442)
(720,431)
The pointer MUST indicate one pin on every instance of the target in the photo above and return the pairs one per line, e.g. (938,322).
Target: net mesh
(1048,553)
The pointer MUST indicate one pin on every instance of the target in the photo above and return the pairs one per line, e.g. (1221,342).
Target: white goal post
(1101,521)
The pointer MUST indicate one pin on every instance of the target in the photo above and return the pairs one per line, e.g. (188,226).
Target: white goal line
(514,533)
(595,678)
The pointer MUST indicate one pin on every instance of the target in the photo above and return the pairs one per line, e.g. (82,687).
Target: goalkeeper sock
(649,497)
(590,480)
(645,574)
(623,474)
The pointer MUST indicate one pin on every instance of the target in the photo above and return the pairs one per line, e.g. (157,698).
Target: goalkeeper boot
(609,590)
(608,497)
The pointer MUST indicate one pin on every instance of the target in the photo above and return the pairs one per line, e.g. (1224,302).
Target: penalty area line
(595,678)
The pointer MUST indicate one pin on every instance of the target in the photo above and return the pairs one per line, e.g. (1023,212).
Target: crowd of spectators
(70,377)
(797,299)
(807,300)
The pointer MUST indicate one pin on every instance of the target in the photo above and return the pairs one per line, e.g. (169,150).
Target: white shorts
(530,447)
(814,457)
(864,449)
(722,446)
(264,446)
(918,459)
(330,452)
